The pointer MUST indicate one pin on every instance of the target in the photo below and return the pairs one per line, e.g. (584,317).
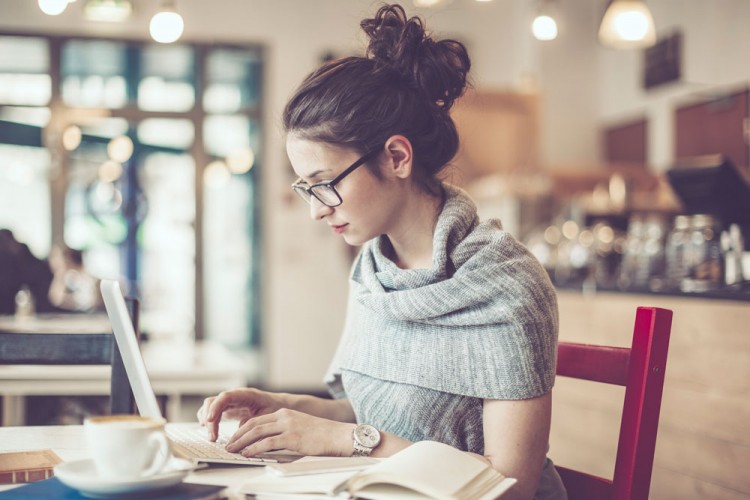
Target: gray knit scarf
(481,322)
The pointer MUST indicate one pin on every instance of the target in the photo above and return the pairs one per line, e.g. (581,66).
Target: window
(113,170)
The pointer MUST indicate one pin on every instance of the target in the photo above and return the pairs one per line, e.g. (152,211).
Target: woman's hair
(405,84)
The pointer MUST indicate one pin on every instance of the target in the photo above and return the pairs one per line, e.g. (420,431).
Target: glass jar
(703,257)
(632,269)
(653,262)
(675,252)
(608,249)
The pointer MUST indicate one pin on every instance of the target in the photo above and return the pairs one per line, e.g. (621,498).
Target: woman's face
(370,204)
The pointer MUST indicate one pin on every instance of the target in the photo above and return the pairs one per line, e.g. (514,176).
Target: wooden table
(68,442)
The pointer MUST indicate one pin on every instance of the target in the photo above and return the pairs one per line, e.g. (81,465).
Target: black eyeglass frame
(307,192)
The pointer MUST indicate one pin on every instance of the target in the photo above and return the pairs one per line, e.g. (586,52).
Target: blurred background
(620,159)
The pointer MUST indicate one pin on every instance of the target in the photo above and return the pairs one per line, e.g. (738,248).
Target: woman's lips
(339,229)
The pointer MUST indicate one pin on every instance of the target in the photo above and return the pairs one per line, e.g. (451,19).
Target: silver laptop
(188,440)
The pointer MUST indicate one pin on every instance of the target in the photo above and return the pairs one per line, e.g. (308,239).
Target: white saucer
(81,475)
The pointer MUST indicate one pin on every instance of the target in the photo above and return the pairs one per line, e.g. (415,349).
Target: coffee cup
(126,447)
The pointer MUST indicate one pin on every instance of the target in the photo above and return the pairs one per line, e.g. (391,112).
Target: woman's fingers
(202,413)
(224,402)
(284,430)
(236,404)
(255,433)
(270,443)
(249,423)
(220,403)
(242,404)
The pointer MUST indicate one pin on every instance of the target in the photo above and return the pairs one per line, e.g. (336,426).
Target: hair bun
(438,69)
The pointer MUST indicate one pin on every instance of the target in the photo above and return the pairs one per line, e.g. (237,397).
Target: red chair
(641,370)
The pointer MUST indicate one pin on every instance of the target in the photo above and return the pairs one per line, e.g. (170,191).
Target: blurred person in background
(24,278)
(72,287)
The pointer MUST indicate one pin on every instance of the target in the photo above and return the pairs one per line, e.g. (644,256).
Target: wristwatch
(365,439)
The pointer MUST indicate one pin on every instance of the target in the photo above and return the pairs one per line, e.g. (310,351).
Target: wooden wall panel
(498,133)
(626,143)
(703,445)
(714,126)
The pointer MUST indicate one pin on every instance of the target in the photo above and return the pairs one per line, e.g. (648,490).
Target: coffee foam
(125,421)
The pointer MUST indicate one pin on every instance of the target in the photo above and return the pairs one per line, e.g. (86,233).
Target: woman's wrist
(345,441)
(285,400)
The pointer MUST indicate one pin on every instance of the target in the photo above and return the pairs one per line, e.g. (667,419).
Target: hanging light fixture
(54,7)
(167,25)
(428,3)
(544,26)
(627,24)
(109,11)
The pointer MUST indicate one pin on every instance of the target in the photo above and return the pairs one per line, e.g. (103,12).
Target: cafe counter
(703,444)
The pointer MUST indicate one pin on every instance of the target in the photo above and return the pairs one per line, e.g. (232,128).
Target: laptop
(188,440)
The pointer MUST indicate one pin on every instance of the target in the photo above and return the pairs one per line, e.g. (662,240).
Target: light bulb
(108,11)
(631,26)
(166,26)
(53,7)
(216,174)
(120,148)
(240,161)
(627,23)
(426,3)
(544,28)
(71,137)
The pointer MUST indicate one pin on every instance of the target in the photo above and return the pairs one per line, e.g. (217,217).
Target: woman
(451,327)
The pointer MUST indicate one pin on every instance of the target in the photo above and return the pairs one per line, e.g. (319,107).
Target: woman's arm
(332,409)
(516,437)
(296,422)
(293,430)
(246,403)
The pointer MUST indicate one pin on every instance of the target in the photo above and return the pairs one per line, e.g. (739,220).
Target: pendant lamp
(627,24)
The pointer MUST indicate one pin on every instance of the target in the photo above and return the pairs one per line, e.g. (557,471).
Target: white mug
(126,447)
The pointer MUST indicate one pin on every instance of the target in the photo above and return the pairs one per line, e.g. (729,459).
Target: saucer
(82,476)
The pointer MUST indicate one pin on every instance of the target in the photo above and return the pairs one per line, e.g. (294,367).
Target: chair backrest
(641,370)
(70,348)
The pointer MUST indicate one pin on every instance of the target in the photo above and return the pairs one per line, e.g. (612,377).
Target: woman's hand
(238,404)
(294,431)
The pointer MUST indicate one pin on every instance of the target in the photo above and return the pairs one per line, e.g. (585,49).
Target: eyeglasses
(325,192)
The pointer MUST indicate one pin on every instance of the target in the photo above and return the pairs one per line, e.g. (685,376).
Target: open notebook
(188,440)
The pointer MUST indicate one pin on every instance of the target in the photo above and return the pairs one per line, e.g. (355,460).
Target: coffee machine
(713,188)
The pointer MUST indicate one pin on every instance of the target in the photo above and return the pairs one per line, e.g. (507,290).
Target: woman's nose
(318,210)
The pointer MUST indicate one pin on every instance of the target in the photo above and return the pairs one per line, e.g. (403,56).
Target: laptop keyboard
(191,442)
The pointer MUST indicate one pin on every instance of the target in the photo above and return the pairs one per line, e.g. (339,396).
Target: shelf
(738,295)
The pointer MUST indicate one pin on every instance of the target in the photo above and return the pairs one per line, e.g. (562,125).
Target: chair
(69,348)
(641,370)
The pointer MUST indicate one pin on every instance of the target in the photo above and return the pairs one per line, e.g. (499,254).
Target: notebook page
(435,469)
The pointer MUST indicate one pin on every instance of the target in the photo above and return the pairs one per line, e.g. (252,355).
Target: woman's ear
(399,153)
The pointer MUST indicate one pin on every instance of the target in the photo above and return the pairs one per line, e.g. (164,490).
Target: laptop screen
(124,333)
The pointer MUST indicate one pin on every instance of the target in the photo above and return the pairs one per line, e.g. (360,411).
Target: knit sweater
(422,348)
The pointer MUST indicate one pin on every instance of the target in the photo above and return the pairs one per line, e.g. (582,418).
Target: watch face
(367,435)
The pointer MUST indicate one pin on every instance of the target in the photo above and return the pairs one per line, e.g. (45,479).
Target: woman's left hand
(294,431)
